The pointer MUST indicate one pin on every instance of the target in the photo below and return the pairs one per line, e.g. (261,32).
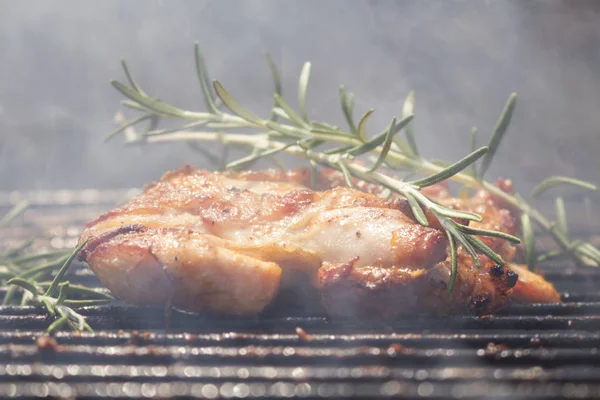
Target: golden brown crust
(532,287)
(191,270)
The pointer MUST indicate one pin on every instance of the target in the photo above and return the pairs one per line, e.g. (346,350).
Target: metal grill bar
(309,389)
(137,318)
(472,339)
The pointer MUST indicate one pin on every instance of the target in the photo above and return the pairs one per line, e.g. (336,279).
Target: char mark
(96,241)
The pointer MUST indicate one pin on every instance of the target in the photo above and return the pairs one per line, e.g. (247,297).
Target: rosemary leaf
(234,106)
(589,251)
(351,104)
(592,249)
(347,176)
(387,144)
(486,232)
(409,109)
(121,128)
(159,107)
(42,269)
(158,132)
(417,210)
(561,216)
(286,130)
(554,181)
(63,291)
(451,170)
(9,295)
(57,324)
(336,137)
(204,81)
(548,256)
(302,88)
(48,304)
(279,112)
(498,133)
(13,213)
(325,126)
(347,109)
(132,82)
(4,275)
(459,214)
(403,146)
(40,256)
(10,267)
(291,114)
(63,270)
(25,284)
(338,150)
(14,252)
(245,161)
(379,139)
(529,239)
(484,249)
(454,262)
(473,148)
(362,125)
(309,144)
(462,239)
(441,163)
(276,79)
(134,105)
(84,291)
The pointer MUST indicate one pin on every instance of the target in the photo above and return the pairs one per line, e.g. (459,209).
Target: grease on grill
(397,348)
(136,337)
(47,343)
(493,348)
(303,335)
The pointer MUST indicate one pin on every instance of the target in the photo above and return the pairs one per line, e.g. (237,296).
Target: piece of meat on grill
(229,242)
(350,290)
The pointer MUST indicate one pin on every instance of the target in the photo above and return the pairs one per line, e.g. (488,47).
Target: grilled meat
(229,242)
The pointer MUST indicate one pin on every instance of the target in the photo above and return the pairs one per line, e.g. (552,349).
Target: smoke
(463,58)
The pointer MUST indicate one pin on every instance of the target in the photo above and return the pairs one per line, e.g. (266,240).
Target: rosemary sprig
(58,306)
(26,272)
(301,136)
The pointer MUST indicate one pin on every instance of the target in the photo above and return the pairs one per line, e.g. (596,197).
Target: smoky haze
(463,59)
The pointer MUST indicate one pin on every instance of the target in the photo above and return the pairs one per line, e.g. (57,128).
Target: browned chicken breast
(229,242)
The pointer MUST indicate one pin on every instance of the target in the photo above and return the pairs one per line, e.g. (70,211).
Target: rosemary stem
(261,139)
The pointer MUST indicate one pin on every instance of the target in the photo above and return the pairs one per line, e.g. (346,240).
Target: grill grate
(523,352)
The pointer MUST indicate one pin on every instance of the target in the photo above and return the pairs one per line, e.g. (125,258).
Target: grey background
(463,58)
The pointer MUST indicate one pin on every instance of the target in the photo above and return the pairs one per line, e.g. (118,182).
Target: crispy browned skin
(225,242)
(229,242)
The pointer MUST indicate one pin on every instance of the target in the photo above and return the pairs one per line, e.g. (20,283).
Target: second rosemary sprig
(29,272)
